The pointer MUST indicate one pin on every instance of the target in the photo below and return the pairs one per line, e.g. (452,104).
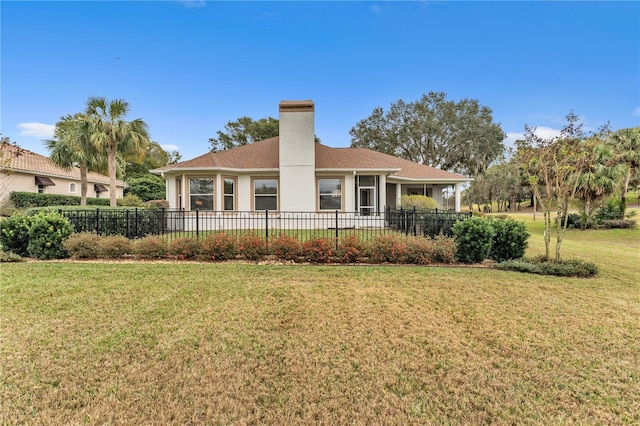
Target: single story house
(293,173)
(25,171)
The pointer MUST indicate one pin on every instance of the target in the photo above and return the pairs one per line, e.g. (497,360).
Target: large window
(330,194)
(201,193)
(265,194)
(229,194)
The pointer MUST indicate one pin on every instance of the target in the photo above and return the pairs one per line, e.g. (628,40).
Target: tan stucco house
(292,173)
(25,171)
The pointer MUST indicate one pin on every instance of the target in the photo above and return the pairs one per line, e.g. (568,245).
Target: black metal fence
(175,223)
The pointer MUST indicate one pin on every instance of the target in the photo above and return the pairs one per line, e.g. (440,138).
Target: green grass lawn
(206,343)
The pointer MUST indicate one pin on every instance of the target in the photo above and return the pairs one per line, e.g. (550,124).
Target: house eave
(401,179)
(59,176)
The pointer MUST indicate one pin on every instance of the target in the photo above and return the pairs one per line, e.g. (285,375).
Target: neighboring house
(25,171)
(293,173)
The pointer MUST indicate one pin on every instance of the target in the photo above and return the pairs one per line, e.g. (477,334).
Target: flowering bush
(150,248)
(387,249)
(252,246)
(286,247)
(114,246)
(219,246)
(318,250)
(185,248)
(351,249)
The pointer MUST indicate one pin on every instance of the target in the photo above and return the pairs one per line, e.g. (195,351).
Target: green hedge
(23,200)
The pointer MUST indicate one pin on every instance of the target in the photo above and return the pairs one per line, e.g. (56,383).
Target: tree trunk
(111,159)
(623,194)
(83,184)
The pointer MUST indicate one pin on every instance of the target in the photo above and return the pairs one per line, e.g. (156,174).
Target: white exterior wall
(21,182)
(297,156)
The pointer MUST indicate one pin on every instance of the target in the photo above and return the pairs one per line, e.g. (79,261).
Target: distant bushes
(563,268)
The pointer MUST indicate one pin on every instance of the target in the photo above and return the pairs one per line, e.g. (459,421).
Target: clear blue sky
(189,67)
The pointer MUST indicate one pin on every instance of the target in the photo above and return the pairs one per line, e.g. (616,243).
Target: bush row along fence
(174,223)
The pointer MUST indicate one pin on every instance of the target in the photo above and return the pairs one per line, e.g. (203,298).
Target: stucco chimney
(297,156)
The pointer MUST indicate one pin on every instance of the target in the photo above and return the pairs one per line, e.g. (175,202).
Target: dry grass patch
(246,344)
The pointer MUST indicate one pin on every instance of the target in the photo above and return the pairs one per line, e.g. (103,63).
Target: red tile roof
(22,160)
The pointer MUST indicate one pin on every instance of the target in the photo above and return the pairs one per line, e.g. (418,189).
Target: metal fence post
(336,230)
(97,221)
(197,223)
(127,223)
(266,229)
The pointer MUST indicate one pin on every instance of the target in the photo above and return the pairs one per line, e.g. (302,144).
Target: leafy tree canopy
(458,136)
(244,131)
(152,157)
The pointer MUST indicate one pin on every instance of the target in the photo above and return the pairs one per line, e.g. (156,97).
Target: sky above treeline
(189,67)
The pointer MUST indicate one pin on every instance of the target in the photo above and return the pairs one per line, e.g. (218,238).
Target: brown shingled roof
(22,160)
(265,155)
(408,169)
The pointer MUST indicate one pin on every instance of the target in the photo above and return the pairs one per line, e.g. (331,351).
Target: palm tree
(596,176)
(627,146)
(110,132)
(71,147)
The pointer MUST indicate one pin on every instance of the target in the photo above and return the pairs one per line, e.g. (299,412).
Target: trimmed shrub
(420,202)
(318,250)
(185,248)
(564,268)
(14,233)
(82,246)
(445,249)
(114,246)
(286,247)
(420,250)
(7,257)
(156,204)
(23,200)
(150,248)
(47,232)
(473,239)
(619,224)
(387,249)
(509,241)
(252,246)
(129,200)
(351,249)
(219,247)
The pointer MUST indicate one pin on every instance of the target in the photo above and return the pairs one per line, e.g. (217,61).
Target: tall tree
(552,167)
(458,136)
(108,130)
(71,147)
(627,148)
(152,157)
(597,175)
(244,131)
